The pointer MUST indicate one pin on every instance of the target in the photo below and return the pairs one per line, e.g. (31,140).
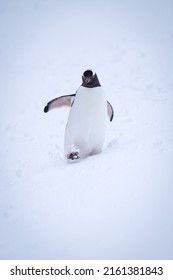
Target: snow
(118,204)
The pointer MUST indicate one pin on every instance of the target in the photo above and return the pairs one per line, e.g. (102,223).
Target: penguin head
(90,79)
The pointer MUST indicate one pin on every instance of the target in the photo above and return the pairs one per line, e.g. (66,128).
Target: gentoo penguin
(86,127)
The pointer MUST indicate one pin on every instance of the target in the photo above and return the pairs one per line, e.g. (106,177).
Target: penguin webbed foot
(73,156)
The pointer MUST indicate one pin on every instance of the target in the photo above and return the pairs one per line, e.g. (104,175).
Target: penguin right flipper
(65,100)
(110,111)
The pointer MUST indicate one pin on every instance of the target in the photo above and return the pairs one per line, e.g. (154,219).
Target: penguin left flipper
(65,100)
(110,111)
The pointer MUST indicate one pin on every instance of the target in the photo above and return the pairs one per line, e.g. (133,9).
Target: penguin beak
(88,80)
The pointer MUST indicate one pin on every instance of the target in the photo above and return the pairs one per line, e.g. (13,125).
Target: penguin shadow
(75,161)
(79,160)
(113,144)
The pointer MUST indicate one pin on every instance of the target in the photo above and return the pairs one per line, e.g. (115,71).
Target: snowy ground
(118,204)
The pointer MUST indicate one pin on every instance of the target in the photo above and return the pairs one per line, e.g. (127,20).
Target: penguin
(88,117)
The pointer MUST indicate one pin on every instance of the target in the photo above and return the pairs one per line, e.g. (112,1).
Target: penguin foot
(73,155)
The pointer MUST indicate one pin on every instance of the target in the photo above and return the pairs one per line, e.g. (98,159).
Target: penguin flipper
(65,100)
(110,111)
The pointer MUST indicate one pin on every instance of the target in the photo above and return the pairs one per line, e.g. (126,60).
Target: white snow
(118,204)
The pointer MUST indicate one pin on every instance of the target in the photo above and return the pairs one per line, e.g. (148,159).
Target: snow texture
(115,205)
